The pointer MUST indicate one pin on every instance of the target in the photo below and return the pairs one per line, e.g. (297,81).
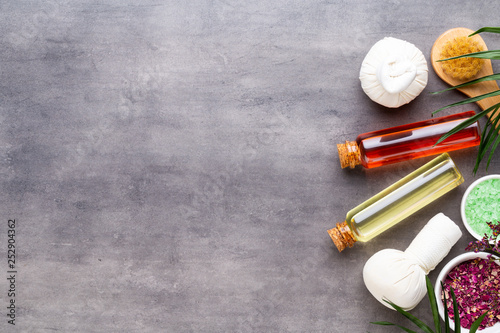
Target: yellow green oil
(404,198)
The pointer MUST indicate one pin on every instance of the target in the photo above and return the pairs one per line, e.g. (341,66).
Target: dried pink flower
(490,244)
(476,285)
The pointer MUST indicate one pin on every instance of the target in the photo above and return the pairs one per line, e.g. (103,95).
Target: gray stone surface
(172,165)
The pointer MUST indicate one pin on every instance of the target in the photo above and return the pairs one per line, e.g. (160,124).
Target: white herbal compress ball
(399,276)
(393,72)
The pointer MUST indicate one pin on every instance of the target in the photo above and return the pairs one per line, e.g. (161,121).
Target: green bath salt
(483,205)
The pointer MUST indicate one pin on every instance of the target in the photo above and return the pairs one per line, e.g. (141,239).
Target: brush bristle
(463,68)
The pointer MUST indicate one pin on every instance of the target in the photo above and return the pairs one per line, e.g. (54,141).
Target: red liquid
(416,140)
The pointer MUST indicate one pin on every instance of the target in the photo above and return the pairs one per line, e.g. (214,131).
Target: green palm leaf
(471,100)
(490,134)
(456,316)
(491,77)
(433,302)
(411,317)
(464,124)
(490,54)
(492,151)
(486,29)
(475,325)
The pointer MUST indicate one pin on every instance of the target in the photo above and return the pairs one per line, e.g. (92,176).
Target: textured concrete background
(172,165)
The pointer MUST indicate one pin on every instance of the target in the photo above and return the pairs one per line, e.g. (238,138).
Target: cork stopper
(342,236)
(349,154)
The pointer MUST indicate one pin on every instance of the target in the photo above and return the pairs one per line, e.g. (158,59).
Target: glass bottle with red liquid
(410,141)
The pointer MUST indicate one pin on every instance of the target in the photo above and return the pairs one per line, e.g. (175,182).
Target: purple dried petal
(477,289)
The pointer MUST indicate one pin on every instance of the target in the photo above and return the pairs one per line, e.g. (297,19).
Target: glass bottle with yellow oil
(397,202)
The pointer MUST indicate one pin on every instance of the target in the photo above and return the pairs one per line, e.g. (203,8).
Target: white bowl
(462,205)
(442,276)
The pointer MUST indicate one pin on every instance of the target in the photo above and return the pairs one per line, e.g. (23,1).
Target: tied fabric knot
(399,276)
(434,242)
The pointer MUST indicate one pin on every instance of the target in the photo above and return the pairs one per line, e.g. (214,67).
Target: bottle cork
(342,236)
(349,154)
